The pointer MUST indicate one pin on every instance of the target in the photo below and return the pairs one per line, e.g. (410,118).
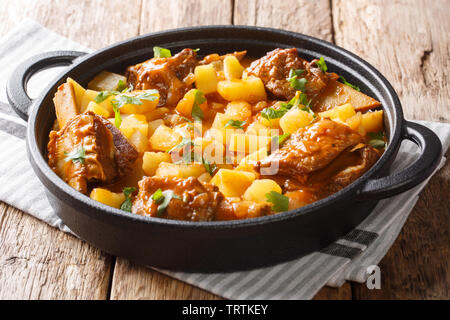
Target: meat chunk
(103,153)
(195,201)
(170,76)
(125,154)
(367,156)
(87,134)
(274,67)
(309,149)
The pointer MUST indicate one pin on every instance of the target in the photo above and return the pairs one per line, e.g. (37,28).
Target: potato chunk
(146,106)
(205,78)
(132,123)
(239,110)
(295,119)
(78,90)
(185,105)
(98,109)
(341,113)
(107,197)
(250,89)
(259,188)
(244,143)
(106,81)
(372,121)
(139,141)
(232,183)
(232,68)
(151,161)
(164,139)
(182,170)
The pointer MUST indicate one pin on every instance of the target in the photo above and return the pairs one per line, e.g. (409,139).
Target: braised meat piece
(172,76)
(193,201)
(125,154)
(274,68)
(309,149)
(87,150)
(367,156)
(91,146)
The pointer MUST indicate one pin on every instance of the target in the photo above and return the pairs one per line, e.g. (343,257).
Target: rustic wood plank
(132,281)
(94,23)
(40,262)
(409,44)
(162,15)
(417,265)
(37,261)
(309,17)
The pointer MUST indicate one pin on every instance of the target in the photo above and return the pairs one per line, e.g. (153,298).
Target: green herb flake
(349,84)
(279,140)
(235,124)
(296,83)
(210,167)
(280,202)
(167,196)
(121,86)
(321,64)
(77,155)
(126,205)
(376,140)
(161,52)
(117,115)
(197,112)
(158,196)
(103,95)
(184,142)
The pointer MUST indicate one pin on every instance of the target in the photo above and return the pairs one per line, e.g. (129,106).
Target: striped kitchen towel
(346,259)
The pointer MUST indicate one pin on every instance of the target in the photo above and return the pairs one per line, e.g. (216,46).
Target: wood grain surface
(406,40)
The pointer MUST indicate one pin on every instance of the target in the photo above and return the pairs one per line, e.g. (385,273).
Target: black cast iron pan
(231,245)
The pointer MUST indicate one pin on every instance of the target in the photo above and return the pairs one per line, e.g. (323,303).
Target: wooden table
(408,41)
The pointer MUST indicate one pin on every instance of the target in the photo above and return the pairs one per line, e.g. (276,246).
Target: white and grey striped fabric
(346,259)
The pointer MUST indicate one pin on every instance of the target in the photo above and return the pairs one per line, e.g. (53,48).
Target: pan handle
(17,83)
(429,158)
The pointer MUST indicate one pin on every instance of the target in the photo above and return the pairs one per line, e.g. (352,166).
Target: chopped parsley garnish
(299,99)
(161,52)
(77,155)
(184,142)
(126,205)
(280,139)
(280,202)
(117,116)
(103,95)
(235,124)
(210,167)
(271,113)
(296,83)
(377,140)
(197,112)
(196,50)
(162,198)
(121,86)
(122,99)
(349,84)
(158,196)
(322,65)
